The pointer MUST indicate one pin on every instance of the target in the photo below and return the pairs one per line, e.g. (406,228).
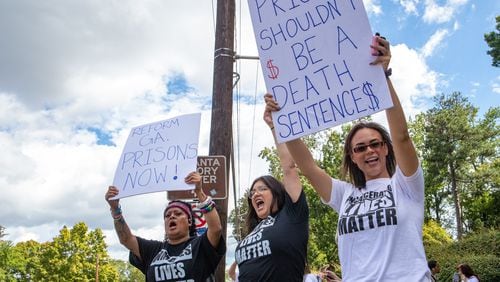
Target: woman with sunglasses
(277,224)
(182,256)
(381,208)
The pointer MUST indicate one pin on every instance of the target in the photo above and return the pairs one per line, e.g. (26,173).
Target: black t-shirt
(191,261)
(277,247)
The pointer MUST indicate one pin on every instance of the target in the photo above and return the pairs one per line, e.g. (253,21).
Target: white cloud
(434,42)
(117,47)
(410,6)
(104,65)
(373,7)
(413,79)
(434,13)
(495,85)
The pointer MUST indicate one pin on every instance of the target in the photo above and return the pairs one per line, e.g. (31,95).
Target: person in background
(467,274)
(310,277)
(435,269)
(182,255)
(456,277)
(327,274)
(277,223)
(381,208)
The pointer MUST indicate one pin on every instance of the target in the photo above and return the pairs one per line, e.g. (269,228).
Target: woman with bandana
(182,256)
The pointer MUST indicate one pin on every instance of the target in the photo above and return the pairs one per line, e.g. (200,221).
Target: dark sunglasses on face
(373,145)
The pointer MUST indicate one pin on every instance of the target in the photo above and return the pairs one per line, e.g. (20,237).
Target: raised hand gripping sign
(315,57)
(157,156)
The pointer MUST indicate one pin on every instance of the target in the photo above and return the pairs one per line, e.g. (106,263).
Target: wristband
(208,208)
(388,72)
(207,205)
(116,212)
(207,201)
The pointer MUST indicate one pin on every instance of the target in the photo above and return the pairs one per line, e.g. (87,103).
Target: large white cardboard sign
(315,57)
(157,156)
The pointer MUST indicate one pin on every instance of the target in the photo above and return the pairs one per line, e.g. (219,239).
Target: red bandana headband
(180,206)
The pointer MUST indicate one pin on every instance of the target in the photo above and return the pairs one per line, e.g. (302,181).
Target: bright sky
(75,76)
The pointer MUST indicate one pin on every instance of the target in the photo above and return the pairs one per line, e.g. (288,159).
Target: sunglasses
(373,145)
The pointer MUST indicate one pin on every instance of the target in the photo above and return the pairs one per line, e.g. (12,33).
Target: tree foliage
(460,160)
(76,254)
(127,272)
(480,249)
(2,232)
(458,152)
(493,41)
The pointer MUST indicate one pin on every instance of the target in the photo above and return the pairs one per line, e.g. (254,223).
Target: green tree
(434,235)
(5,250)
(76,254)
(127,272)
(25,264)
(237,218)
(493,41)
(2,232)
(480,249)
(458,151)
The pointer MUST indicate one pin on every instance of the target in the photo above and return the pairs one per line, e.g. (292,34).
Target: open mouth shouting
(172,225)
(260,207)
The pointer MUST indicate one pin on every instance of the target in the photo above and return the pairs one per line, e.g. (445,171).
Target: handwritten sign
(157,156)
(315,58)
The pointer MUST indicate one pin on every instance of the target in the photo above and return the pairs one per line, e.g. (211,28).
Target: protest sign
(315,57)
(157,156)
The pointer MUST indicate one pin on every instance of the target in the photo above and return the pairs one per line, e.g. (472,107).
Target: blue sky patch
(103,138)
(177,84)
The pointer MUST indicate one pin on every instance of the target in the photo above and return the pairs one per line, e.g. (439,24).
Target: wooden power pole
(221,132)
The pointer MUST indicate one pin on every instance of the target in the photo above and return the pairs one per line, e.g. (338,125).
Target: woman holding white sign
(381,209)
(182,256)
(277,223)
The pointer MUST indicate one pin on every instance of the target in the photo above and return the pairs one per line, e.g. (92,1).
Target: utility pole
(221,133)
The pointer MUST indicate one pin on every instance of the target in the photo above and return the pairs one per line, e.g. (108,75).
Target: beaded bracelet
(207,201)
(207,208)
(207,205)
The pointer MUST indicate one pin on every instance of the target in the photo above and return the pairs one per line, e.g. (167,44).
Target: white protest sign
(157,156)
(315,57)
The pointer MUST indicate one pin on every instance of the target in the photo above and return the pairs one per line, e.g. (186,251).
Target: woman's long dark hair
(192,227)
(278,191)
(350,169)
(467,271)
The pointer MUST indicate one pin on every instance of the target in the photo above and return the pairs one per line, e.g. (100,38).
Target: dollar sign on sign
(367,90)
(273,69)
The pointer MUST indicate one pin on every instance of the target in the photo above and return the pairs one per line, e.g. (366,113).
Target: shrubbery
(481,250)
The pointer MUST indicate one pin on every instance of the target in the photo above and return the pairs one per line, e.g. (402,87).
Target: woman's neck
(176,241)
